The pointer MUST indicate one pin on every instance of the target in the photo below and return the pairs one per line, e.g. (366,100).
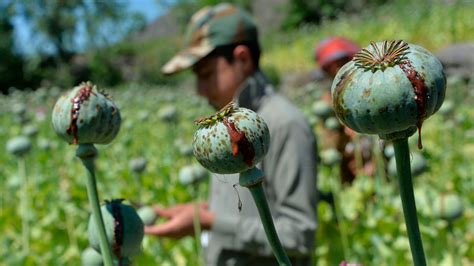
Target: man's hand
(179,221)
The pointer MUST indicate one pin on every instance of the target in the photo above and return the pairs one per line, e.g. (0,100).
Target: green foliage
(54,27)
(372,219)
(55,23)
(432,26)
(104,70)
(152,56)
(301,12)
(272,74)
(11,67)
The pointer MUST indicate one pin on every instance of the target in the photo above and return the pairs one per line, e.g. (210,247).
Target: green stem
(197,230)
(402,157)
(358,155)
(336,192)
(70,230)
(455,259)
(24,202)
(87,154)
(138,182)
(252,179)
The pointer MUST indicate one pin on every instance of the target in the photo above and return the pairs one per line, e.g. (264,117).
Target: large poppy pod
(389,88)
(231,141)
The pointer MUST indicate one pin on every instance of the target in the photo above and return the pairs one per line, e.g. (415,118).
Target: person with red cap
(331,54)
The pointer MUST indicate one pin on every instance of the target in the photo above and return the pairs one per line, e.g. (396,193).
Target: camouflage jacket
(238,238)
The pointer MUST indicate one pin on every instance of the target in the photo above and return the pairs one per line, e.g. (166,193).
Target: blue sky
(148,8)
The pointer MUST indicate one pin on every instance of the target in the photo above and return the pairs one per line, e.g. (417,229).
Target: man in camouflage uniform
(221,47)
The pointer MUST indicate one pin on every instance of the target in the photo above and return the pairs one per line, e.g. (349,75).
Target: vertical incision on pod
(118,227)
(389,54)
(418,83)
(239,142)
(82,95)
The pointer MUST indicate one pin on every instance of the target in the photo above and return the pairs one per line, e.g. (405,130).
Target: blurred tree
(59,30)
(302,11)
(62,28)
(11,65)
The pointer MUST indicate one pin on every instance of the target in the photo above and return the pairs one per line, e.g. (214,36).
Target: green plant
(123,226)
(147,215)
(90,257)
(84,117)
(19,147)
(389,89)
(234,140)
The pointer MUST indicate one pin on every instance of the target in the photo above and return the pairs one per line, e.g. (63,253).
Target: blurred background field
(157,125)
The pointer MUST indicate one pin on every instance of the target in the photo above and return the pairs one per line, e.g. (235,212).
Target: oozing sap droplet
(118,229)
(239,142)
(418,83)
(82,95)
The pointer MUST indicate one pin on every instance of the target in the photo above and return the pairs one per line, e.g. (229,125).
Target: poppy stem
(87,153)
(402,157)
(252,179)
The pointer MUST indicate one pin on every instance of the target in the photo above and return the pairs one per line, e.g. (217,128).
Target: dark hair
(227,51)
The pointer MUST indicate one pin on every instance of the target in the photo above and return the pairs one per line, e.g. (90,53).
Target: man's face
(218,80)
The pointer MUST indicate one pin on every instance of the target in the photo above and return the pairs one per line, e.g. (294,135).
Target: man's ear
(243,56)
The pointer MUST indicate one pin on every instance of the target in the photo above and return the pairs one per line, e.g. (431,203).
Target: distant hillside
(268,15)
(164,26)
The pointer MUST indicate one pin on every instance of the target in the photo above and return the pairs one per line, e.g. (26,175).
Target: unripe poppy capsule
(19,146)
(123,226)
(86,116)
(233,140)
(389,89)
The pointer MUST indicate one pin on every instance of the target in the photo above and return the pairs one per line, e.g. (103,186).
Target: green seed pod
(147,214)
(30,130)
(389,89)
(331,157)
(123,227)
(418,165)
(322,109)
(332,123)
(91,257)
(143,115)
(86,116)
(19,146)
(19,109)
(447,108)
(389,151)
(138,165)
(448,207)
(185,148)
(44,144)
(233,140)
(191,174)
(168,113)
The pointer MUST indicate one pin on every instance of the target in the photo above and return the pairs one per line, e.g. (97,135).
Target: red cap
(334,48)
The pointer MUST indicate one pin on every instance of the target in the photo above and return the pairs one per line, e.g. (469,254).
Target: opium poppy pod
(233,140)
(389,89)
(123,226)
(86,116)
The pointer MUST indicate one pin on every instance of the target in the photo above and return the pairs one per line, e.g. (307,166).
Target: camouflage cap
(210,27)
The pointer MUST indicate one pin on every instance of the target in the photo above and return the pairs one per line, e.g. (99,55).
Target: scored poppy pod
(389,89)
(85,115)
(233,140)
